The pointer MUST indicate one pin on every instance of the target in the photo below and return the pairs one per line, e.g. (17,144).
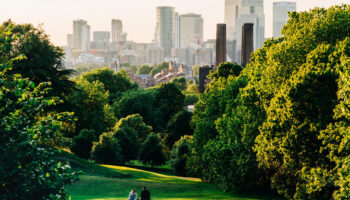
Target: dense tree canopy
(27,170)
(284,119)
(43,61)
(144,69)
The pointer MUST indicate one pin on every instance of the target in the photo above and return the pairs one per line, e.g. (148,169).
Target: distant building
(81,34)
(231,15)
(280,15)
(183,55)
(165,28)
(70,41)
(204,56)
(177,31)
(116,33)
(101,40)
(155,55)
(191,30)
(247,43)
(220,44)
(250,11)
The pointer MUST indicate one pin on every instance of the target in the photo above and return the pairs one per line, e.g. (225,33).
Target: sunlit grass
(108,182)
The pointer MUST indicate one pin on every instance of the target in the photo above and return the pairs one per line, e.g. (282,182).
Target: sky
(138,16)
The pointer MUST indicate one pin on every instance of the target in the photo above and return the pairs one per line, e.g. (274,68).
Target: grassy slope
(115,183)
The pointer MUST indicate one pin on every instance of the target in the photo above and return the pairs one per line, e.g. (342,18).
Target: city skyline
(57,16)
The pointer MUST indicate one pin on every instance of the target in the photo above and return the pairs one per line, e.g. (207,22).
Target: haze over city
(138,16)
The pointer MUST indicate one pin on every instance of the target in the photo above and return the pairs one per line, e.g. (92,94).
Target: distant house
(174,70)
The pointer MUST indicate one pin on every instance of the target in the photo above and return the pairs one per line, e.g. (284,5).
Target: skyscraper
(70,41)
(191,30)
(177,31)
(280,15)
(101,39)
(231,15)
(220,44)
(81,34)
(250,11)
(116,32)
(247,43)
(165,28)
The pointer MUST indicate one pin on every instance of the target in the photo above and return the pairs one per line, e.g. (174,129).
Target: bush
(191,99)
(107,150)
(178,126)
(151,151)
(82,143)
(180,155)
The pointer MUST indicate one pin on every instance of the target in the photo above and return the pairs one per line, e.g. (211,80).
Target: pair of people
(145,194)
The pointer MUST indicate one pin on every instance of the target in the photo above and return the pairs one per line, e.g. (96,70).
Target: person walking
(145,194)
(132,195)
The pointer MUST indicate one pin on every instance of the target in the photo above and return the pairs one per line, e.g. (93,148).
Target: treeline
(283,122)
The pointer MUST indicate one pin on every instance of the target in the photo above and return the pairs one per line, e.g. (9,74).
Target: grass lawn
(106,182)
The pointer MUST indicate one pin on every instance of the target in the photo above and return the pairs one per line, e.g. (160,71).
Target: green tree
(180,155)
(134,68)
(178,126)
(144,69)
(115,84)
(43,61)
(195,70)
(89,102)
(155,71)
(107,150)
(162,66)
(180,82)
(82,143)
(27,170)
(151,151)
(131,132)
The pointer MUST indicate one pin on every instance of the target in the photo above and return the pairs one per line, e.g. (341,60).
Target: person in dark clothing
(145,194)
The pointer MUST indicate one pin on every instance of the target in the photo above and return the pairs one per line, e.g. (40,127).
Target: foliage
(191,99)
(27,172)
(180,154)
(131,132)
(156,105)
(43,61)
(144,69)
(151,151)
(89,102)
(178,126)
(162,66)
(284,119)
(107,150)
(195,70)
(134,68)
(82,68)
(155,71)
(82,143)
(115,83)
(180,82)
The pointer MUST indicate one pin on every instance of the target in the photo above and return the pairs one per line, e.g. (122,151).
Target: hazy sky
(138,16)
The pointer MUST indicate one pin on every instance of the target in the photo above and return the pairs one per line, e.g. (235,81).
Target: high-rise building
(220,44)
(177,31)
(165,28)
(117,33)
(250,11)
(70,40)
(81,34)
(247,43)
(191,30)
(280,15)
(231,15)
(101,39)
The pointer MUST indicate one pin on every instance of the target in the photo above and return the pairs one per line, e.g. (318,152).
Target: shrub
(151,151)
(180,155)
(82,143)
(107,150)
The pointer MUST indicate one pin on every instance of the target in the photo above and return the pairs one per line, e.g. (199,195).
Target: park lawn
(104,186)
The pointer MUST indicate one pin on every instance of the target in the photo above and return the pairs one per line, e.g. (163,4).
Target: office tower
(117,33)
(165,28)
(280,15)
(70,40)
(220,44)
(191,30)
(101,39)
(231,15)
(81,34)
(177,31)
(247,43)
(250,12)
